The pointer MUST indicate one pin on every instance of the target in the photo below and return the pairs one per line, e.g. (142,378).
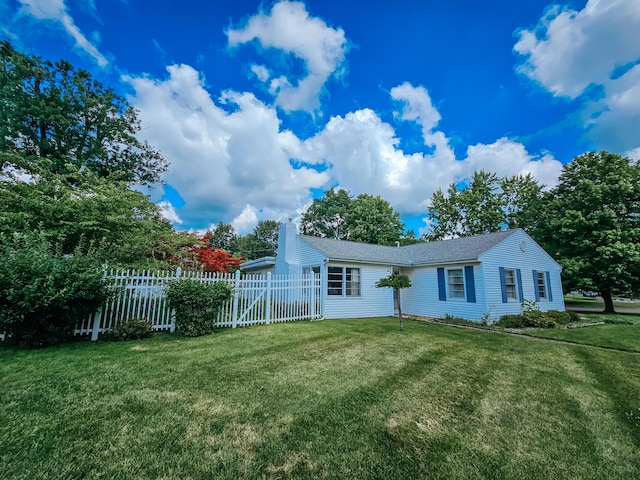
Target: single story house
(465,277)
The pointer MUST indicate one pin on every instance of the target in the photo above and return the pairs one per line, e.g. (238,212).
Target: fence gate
(256,299)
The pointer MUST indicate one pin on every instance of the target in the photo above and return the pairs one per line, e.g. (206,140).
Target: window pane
(542,289)
(334,281)
(353,282)
(456,283)
(510,283)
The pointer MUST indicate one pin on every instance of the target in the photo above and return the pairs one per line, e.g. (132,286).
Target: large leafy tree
(327,216)
(366,218)
(222,236)
(261,242)
(371,219)
(81,209)
(591,224)
(486,204)
(59,116)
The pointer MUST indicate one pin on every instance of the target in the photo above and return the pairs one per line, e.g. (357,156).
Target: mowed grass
(331,399)
(624,335)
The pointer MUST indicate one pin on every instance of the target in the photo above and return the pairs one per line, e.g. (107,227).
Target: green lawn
(331,399)
(578,301)
(618,336)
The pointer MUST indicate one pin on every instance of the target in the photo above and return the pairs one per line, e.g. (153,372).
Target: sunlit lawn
(624,335)
(329,399)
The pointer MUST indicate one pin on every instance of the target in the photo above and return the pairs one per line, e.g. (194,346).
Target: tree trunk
(608,301)
(399,307)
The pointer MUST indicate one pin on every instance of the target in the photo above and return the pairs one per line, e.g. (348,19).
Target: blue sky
(259,106)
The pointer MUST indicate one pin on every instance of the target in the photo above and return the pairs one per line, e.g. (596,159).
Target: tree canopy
(591,224)
(122,225)
(365,218)
(486,204)
(59,116)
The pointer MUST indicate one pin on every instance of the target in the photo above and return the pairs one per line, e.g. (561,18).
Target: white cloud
(231,162)
(506,158)
(364,157)
(168,211)
(288,27)
(615,120)
(633,154)
(570,50)
(221,161)
(247,219)
(56,10)
(261,72)
(417,107)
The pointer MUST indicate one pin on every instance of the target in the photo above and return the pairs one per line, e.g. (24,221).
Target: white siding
(373,302)
(508,254)
(309,256)
(423,297)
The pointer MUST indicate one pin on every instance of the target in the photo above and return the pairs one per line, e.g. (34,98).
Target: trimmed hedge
(537,319)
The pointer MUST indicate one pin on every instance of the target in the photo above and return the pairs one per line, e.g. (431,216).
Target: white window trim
(543,274)
(451,298)
(343,287)
(514,299)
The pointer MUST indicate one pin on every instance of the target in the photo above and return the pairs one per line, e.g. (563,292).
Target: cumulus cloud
(56,11)
(230,160)
(570,50)
(506,157)
(289,28)
(417,107)
(168,211)
(226,157)
(364,156)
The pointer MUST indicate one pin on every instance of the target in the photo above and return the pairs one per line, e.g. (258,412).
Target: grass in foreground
(623,335)
(332,399)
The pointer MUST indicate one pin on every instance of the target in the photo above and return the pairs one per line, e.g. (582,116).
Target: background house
(464,277)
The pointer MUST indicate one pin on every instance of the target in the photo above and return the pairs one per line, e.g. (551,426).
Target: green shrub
(196,305)
(130,329)
(533,318)
(511,321)
(44,293)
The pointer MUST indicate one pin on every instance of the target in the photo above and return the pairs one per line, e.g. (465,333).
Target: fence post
(96,325)
(268,306)
(236,295)
(312,301)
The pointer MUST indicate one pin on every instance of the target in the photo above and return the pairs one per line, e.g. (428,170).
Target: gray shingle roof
(427,253)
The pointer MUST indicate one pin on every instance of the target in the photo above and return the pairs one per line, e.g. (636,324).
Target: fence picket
(256,299)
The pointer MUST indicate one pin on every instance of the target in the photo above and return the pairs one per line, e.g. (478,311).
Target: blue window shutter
(519,280)
(470,282)
(550,295)
(442,288)
(535,285)
(503,285)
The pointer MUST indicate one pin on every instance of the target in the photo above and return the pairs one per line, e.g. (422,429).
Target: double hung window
(455,280)
(510,284)
(541,285)
(343,281)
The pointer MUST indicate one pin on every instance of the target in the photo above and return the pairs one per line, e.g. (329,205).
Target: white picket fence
(256,299)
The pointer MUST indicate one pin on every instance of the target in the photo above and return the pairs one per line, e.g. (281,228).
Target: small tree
(397,282)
